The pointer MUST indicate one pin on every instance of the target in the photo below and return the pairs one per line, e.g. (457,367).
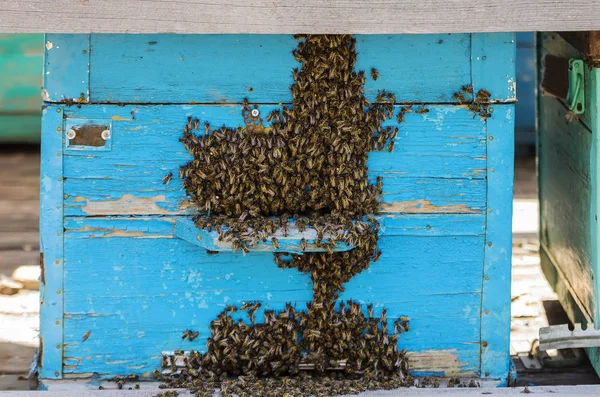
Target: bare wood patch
(438,361)
(426,207)
(126,204)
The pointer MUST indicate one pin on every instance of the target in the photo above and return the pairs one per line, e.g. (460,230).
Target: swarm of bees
(309,167)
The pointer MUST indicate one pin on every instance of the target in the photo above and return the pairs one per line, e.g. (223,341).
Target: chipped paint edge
(51,244)
(494,70)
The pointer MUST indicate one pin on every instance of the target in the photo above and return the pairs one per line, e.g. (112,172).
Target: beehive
(126,271)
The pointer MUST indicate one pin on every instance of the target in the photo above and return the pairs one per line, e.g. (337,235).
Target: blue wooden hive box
(124,270)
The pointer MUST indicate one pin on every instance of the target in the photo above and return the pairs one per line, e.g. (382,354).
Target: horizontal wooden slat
(438,162)
(226,69)
(137,295)
(287,16)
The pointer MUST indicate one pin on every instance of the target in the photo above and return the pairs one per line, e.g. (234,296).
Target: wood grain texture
(286,16)
(147,289)
(437,166)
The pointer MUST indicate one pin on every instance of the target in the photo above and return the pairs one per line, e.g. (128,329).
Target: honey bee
(167,178)
(374,74)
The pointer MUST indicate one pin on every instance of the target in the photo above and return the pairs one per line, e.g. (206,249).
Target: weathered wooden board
(226,69)
(286,16)
(569,198)
(565,194)
(438,162)
(148,288)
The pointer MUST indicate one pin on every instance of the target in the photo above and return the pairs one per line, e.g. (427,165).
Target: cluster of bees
(479,106)
(309,167)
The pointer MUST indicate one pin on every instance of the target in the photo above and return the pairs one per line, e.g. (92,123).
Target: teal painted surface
(206,69)
(51,246)
(569,198)
(20,87)
(135,286)
(496,297)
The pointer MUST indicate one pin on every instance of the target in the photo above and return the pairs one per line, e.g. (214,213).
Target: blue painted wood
(148,289)
(67,68)
(493,65)
(51,246)
(174,68)
(496,298)
(135,285)
(438,163)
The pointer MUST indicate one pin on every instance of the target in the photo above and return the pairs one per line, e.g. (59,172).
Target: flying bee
(167,178)
(374,74)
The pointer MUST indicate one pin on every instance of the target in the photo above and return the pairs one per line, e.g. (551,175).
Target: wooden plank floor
(534,304)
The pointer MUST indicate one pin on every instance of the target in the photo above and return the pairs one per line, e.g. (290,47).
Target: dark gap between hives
(309,166)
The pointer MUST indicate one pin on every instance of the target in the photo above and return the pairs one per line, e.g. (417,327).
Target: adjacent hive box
(568,177)
(120,285)
(20,81)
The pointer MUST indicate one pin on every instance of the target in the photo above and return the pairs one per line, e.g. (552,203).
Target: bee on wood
(422,110)
(167,178)
(374,74)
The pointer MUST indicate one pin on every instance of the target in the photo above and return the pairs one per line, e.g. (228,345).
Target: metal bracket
(576,93)
(561,337)
(88,134)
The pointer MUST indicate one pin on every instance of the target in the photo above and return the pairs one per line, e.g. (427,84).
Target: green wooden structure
(568,150)
(21,60)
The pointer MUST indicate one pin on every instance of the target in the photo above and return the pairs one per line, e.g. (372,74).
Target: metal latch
(561,337)
(576,94)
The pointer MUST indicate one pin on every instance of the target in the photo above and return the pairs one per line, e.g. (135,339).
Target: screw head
(71,134)
(255,112)
(105,134)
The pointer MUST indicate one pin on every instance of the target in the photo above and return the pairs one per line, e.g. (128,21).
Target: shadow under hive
(310,166)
